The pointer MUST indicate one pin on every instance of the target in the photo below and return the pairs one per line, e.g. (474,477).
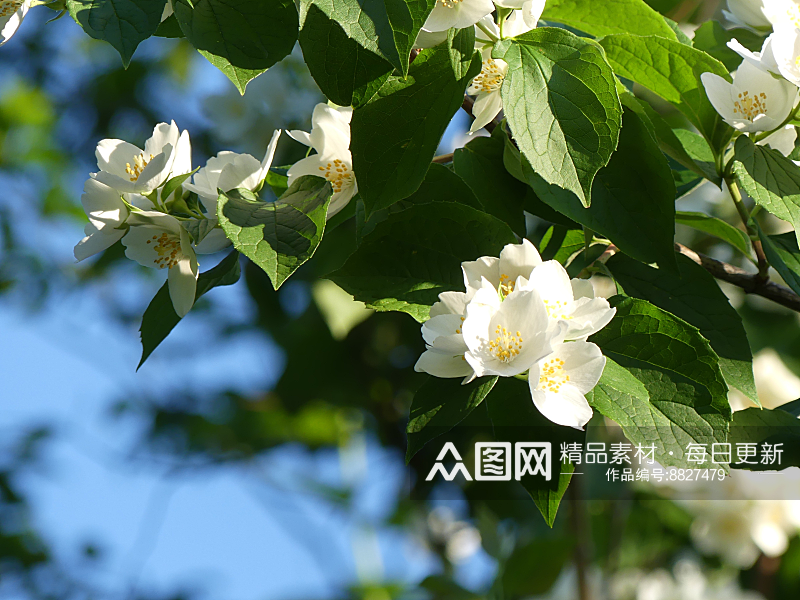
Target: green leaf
(277,182)
(762,426)
(695,297)
(122,23)
(169,28)
(174,183)
(672,70)
(277,236)
(346,72)
(441,404)
(480,164)
(718,228)
(395,135)
(242,38)
(659,340)
(633,198)
(440,185)
(562,106)
(416,254)
(685,147)
(514,418)
(656,406)
(713,38)
(386,28)
(160,317)
(607,17)
(560,244)
(783,254)
(549,556)
(770,179)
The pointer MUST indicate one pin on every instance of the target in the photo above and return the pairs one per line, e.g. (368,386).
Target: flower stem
(736,195)
(786,121)
(522,376)
(482,27)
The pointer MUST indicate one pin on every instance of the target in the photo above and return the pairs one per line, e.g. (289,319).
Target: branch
(443,159)
(751,283)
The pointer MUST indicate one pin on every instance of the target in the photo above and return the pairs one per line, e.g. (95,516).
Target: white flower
(778,12)
(429,39)
(506,337)
(786,52)
(764,60)
(445,345)
(107,214)
(127,168)
(516,260)
(570,301)
(157,240)
(11,14)
(559,382)
(457,13)
(330,137)
(229,171)
(487,84)
(486,89)
(782,140)
(749,13)
(755,101)
(739,530)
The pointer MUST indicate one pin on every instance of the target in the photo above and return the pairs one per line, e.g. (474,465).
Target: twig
(443,159)
(751,283)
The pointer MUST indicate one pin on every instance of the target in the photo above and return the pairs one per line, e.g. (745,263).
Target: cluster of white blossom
(520,316)
(135,196)
(515,18)
(764,93)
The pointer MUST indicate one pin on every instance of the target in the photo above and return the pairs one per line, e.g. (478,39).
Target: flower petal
(440,364)
(183,285)
(96,241)
(568,407)
(519,260)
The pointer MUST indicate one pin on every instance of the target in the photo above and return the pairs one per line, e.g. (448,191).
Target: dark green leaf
(345,71)
(561,103)
(440,185)
(672,70)
(695,297)
(713,38)
(657,339)
(441,404)
(480,164)
(761,426)
(242,38)
(784,256)
(560,244)
(122,23)
(718,228)
(633,198)
(609,16)
(169,28)
(769,178)
(416,254)
(386,28)
(658,406)
(160,317)
(514,418)
(395,135)
(277,236)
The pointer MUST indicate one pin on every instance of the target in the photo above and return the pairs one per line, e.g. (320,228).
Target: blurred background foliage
(287,406)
